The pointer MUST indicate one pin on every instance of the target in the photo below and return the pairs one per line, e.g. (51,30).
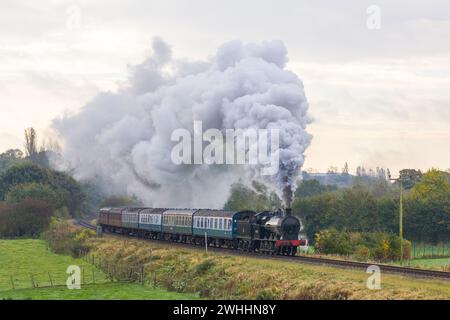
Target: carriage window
(229,224)
(220,223)
(215,223)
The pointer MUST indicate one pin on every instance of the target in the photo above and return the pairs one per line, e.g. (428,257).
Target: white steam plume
(123,139)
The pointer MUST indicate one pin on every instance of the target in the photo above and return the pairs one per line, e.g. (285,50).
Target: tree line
(31,192)
(369,205)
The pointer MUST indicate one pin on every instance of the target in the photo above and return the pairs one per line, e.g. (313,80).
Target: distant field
(23,262)
(437,264)
(422,251)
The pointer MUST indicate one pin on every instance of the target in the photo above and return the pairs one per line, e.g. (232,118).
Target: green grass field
(109,291)
(24,262)
(423,251)
(437,264)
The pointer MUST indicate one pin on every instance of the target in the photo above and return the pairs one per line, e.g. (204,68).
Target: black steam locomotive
(269,232)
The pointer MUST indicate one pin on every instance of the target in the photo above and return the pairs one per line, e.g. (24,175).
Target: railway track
(384,268)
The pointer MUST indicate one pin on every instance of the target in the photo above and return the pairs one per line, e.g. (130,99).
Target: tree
(30,142)
(36,191)
(10,157)
(345,169)
(21,174)
(353,209)
(257,198)
(410,177)
(26,218)
(427,210)
(68,190)
(309,188)
(332,170)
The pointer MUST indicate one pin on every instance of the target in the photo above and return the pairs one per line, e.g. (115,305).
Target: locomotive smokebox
(288,211)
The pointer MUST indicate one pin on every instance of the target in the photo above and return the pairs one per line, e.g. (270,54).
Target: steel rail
(427,273)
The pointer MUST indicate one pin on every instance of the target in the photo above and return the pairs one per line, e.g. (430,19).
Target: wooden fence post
(32,281)
(50,278)
(12,282)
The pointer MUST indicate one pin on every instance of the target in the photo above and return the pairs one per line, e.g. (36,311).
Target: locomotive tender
(268,232)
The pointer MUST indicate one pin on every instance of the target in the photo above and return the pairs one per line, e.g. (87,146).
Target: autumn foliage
(27,218)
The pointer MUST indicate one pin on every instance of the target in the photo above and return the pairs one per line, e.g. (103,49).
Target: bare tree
(30,142)
(345,169)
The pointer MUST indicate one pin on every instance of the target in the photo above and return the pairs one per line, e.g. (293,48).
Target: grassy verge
(221,276)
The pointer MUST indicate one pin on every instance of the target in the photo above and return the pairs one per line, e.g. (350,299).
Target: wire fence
(423,251)
(96,271)
(48,279)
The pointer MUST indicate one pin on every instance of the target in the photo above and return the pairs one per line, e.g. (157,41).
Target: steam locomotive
(268,232)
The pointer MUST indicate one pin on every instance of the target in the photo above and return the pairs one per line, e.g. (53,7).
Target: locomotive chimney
(288,211)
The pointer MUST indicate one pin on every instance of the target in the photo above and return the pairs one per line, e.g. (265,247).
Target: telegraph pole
(400,216)
(401,222)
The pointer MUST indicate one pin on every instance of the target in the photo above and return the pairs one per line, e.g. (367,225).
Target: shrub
(265,295)
(27,218)
(362,253)
(64,238)
(379,246)
(333,241)
(37,191)
(203,267)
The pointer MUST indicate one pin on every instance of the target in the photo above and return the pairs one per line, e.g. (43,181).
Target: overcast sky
(379,97)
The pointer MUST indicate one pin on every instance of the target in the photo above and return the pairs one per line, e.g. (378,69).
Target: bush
(378,246)
(64,238)
(333,241)
(37,191)
(203,267)
(27,218)
(265,295)
(38,181)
